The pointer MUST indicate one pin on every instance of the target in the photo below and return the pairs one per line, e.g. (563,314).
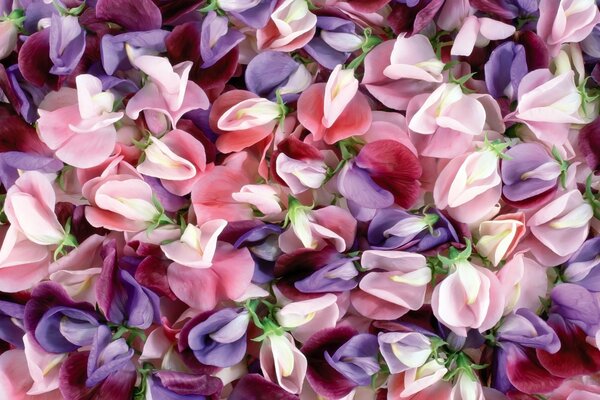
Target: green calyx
(69,11)
(160,219)
(69,240)
(461,363)
(592,198)
(267,323)
(17,17)
(294,209)
(455,256)
(587,96)
(497,147)
(368,44)
(213,5)
(564,166)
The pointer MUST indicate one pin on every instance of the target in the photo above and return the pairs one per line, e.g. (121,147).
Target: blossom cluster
(295,199)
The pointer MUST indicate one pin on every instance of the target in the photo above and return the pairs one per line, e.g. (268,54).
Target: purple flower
(530,175)
(334,41)
(122,299)
(337,276)
(171,385)
(262,243)
(11,322)
(108,358)
(356,359)
(217,39)
(67,44)
(59,324)
(393,229)
(23,96)
(526,329)
(220,339)
(13,161)
(273,70)
(505,69)
(117,50)
(255,13)
(576,305)
(583,268)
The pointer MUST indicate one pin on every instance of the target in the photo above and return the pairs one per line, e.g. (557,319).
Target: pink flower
(548,105)
(119,199)
(315,229)
(299,165)
(242,119)
(566,21)
(445,121)
(177,158)
(8,38)
(237,170)
(29,207)
(523,282)
(422,383)
(43,367)
(414,58)
(202,273)
(306,317)
(15,380)
(79,126)
(478,32)
(168,92)
(281,362)
(467,388)
(23,263)
(499,237)
(469,187)
(334,110)
(392,92)
(396,285)
(559,228)
(290,27)
(469,297)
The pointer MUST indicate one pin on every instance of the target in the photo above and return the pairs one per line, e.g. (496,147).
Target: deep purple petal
(133,15)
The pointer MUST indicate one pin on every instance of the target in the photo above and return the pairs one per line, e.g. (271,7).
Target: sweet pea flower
(499,237)
(23,263)
(177,159)
(67,44)
(56,322)
(524,282)
(469,187)
(467,388)
(356,359)
(15,378)
(220,339)
(369,180)
(242,119)
(448,118)
(44,367)
(314,229)
(265,198)
(530,175)
(306,317)
(119,52)
(504,70)
(566,21)
(168,91)
(559,228)
(8,38)
(395,283)
(221,272)
(475,31)
(120,200)
(291,26)
(468,287)
(582,268)
(548,105)
(286,75)
(394,229)
(424,380)
(334,110)
(82,132)
(300,165)
(216,39)
(282,362)
(414,58)
(335,40)
(404,350)
(29,207)
(11,323)
(172,385)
